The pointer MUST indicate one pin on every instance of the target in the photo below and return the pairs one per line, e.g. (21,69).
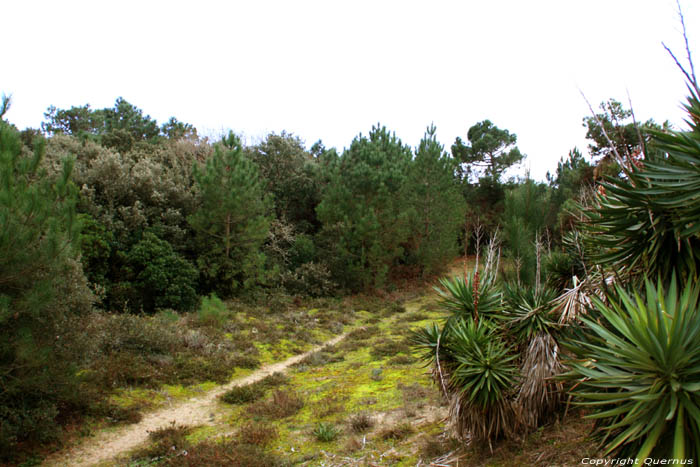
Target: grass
(326,432)
(389,420)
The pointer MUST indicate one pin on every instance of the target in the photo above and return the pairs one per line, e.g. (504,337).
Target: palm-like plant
(639,371)
(648,223)
(529,311)
(470,297)
(484,371)
(477,372)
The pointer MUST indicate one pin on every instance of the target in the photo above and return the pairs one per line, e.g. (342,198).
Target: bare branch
(620,160)
(642,143)
(688,77)
(687,47)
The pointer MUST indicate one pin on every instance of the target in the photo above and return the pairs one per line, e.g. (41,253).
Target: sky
(330,70)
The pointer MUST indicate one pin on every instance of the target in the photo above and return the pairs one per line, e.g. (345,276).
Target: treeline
(108,209)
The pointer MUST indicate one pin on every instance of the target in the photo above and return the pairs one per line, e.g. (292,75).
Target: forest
(136,256)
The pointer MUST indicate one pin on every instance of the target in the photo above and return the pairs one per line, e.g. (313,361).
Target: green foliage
(365,218)
(122,127)
(438,206)
(527,215)
(529,311)
(574,178)
(485,371)
(647,223)
(639,370)
(40,289)
(212,312)
(162,278)
(489,148)
(494,358)
(470,298)
(290,174)
(326,432)
(232,219)
(617,123)
(243,394)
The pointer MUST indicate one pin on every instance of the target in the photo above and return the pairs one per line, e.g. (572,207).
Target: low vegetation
(141,265)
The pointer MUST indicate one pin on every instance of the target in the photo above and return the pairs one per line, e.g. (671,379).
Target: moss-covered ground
(368,400)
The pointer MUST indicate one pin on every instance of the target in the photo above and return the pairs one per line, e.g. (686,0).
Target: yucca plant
(472,297)
(530,321)
(484,370)
(478,374)
(529,311)
(639,371)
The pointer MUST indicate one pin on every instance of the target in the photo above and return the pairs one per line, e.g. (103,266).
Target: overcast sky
(331,69)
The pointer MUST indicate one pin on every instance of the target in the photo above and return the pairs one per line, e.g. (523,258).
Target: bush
(212,312)
(259,434)
(282,404)
(165,441)
(229,452)
(243,394)
(162,278)
(397,432)
(313,279)
(389,348)
(361,422)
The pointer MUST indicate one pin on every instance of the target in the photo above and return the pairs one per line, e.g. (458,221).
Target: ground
(363,398)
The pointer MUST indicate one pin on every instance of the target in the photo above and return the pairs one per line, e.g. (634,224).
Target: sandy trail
(195,411)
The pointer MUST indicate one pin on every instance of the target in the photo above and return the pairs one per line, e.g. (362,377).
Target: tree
(491,149)
(76,121)
(365,218)
(291,176)
(574,176)
(120,127)
(616,138)
(232,219)
(162,278)
(438,205)
(175,129)
(38,249)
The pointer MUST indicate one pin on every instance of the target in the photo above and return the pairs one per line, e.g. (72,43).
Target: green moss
(200,434)
(136,397)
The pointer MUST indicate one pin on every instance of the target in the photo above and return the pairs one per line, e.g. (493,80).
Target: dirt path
(196,411)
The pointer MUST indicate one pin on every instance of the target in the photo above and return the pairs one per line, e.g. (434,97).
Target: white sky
(331,69)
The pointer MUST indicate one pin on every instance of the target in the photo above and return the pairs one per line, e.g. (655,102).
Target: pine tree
(232,219)
(438,205)
(365,218)
(38,244)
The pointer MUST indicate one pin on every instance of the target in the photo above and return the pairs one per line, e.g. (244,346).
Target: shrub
(258,434)
(165,441)
(313,279)
(361,422)
(389,348)
(254,391)
(212,312)
(163,278)
(243,394)
(229,452)
(397,432)
(282,404)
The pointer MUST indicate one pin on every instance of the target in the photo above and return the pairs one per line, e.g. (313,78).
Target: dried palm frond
(540,394)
